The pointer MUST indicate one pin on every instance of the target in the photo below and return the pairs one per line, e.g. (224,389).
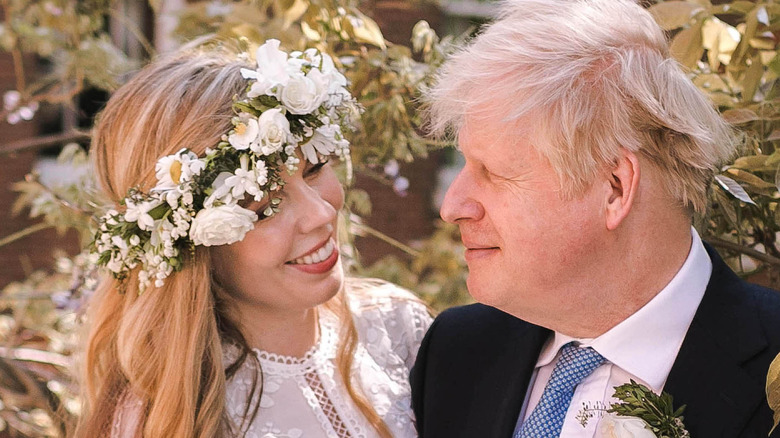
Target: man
(587,153)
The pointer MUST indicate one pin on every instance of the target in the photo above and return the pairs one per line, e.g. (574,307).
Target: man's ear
(624,184)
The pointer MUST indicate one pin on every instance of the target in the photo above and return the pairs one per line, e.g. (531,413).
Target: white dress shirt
(643,347)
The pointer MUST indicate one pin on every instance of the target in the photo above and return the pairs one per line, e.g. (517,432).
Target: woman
(228,313)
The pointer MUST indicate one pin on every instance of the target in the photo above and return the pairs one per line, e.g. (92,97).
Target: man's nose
(460,202)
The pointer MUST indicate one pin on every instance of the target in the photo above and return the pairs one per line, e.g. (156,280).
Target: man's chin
(483,292)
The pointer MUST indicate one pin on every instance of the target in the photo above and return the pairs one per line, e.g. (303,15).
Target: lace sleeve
(127,417)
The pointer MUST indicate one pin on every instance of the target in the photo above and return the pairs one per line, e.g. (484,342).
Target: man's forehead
(480,134)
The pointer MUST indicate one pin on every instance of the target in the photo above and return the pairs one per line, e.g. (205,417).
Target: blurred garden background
(61,59)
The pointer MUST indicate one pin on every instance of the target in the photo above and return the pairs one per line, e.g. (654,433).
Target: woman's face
(289,261)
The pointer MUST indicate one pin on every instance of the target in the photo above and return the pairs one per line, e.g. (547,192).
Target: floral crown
(295,101)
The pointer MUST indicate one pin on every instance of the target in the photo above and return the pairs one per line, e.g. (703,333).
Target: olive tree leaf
(773,390)
(752,79)
(674,14)
(739,116)
(687,47)
(733,187)
(366,30)
(750,179)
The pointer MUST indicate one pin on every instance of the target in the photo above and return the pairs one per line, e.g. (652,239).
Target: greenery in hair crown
(294,102)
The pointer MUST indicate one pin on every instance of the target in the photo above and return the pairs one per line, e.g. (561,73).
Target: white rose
(615,426)
(273,132)
(304,94)
(245,132)
(221,225)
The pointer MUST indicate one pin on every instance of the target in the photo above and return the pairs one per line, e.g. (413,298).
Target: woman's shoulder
(375,295)
(388,318)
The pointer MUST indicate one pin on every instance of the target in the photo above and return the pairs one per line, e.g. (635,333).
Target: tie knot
(575,364)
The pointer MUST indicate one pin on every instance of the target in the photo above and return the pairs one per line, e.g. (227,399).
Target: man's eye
(314,169)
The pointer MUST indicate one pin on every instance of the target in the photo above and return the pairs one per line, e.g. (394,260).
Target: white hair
(594,76)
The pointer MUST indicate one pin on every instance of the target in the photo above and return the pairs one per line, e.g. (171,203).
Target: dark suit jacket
(475,363)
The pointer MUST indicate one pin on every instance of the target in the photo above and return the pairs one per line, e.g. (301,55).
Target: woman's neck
(285,333)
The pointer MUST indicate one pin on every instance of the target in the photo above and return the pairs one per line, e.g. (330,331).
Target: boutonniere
(639,413)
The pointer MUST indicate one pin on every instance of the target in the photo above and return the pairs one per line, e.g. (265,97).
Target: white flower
(304,94)
(245,132)
(140,213)
(221,225)
(273,132)
(616,426)
(271,70)
(174,169)
(221,191)
(115,265)
(326,140)
(244,180)
(261,173)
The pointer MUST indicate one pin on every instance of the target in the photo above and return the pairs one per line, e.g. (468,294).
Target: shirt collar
(646,343)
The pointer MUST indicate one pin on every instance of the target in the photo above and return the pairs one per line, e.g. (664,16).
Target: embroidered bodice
(306,397)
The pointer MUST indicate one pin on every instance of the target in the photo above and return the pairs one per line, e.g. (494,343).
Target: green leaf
(687,47)
(737,7)
(774,135)
(366,30)
(773,390)
(739,116)
(733,187)
(751,26)
(749,178)
(752,79)
(674,14)
(751,162)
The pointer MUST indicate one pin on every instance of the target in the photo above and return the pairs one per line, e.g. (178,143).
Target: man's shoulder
(766,305)
(477,323)
(729,298)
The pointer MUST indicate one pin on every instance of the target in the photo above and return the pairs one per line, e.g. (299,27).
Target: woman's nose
(313,207)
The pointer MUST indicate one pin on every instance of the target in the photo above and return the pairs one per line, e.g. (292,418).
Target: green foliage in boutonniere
(656,410)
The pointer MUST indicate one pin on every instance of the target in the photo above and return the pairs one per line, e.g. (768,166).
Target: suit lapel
(708,374)
(500,390)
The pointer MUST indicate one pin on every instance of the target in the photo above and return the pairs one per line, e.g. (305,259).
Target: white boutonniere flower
(613,426)
(638,413)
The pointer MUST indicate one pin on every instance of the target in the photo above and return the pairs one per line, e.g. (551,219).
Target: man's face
(527,248)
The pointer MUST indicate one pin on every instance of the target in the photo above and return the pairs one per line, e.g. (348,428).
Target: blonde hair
(164,347)
(594,76)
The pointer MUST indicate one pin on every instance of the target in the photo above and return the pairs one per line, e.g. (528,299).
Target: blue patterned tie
(546,420)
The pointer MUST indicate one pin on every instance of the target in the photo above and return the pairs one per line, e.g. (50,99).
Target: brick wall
(20,258)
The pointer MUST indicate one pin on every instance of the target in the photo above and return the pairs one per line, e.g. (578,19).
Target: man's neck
(637,267)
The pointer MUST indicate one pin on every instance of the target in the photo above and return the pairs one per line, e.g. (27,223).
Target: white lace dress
(306,397)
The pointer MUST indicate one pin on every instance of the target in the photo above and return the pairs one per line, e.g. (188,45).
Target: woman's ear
(624,184)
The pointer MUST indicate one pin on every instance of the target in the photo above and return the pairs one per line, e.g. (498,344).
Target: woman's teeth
(317,256)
